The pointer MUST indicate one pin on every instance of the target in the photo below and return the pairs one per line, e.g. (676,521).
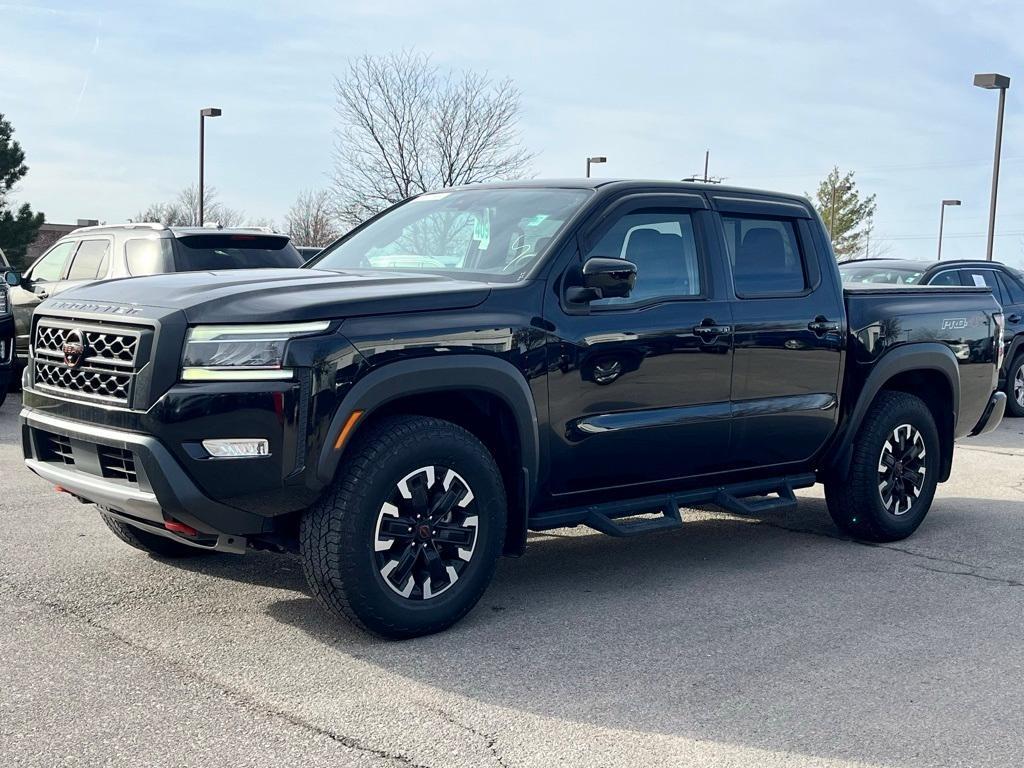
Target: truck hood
(284,295)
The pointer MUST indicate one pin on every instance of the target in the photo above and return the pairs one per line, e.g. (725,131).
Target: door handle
(41,294)
(822,325)
(708,330)
(1014,318)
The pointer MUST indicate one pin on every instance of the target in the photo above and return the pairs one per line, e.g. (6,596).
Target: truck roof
(620,184)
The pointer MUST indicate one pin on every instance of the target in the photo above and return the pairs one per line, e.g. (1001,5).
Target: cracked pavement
(732,642)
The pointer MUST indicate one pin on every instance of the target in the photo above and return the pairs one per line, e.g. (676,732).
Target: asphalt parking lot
(733,642)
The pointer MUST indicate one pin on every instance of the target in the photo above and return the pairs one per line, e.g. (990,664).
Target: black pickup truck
(483,361)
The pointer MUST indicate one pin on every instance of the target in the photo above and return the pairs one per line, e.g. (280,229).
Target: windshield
(880,274)
(497,234)
(224,251)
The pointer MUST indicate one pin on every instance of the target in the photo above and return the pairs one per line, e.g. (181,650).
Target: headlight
(240,352)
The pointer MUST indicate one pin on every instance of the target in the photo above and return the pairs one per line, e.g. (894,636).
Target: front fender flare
(436,374)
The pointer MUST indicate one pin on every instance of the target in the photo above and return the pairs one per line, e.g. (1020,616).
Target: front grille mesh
(107,367)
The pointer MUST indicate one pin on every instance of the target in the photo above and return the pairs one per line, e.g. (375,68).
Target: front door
(41,279)
(639,386)
(788,323)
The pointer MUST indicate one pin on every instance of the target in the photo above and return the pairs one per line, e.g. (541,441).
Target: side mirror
(12,278)
(604,278)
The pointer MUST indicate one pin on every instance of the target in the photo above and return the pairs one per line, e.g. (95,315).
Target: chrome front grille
(5,300)
(104,368)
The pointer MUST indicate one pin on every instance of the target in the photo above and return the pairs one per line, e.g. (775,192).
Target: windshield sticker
(979,280)
(537,220)
(482,230)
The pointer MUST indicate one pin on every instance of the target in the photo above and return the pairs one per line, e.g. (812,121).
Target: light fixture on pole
(203,114)
(942,216)
(990,82)
(594,161)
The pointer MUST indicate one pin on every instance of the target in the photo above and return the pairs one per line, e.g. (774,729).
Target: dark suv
(1007,286)
(131,250)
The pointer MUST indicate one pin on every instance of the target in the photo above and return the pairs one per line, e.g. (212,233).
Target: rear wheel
(892,481)
(407,539)
(159,546)
(1015,387)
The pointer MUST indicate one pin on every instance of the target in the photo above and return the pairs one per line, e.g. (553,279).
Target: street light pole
(1001,83)
(942,217)
(594,161)
(203,114)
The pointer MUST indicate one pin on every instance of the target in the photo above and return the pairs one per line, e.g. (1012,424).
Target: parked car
(589,352)
(89,254)
(6,341)
(1007,286)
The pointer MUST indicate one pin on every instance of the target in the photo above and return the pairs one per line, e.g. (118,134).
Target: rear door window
(91,260)
(765,256)
(234,251)
(981,278)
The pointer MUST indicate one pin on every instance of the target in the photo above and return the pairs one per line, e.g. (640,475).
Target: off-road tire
(856,503)
(158,546)
(338,533)
(1013,406)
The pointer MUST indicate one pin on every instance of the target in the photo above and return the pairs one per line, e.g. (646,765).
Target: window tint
(220,251)
(1012,290)
(51,266)
(91,260)
(149,256)
(765,255)
(664,249)
(949,277)
(983,277)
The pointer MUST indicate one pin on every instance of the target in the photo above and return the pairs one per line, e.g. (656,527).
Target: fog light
(238,448)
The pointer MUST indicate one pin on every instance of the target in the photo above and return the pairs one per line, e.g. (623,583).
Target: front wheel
(407,539)
(892,481)
(1015,387)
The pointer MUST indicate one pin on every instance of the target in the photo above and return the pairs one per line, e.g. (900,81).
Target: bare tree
(311,220)
(404,128)
(183,210)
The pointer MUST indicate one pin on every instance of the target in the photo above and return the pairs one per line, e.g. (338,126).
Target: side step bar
(748,498)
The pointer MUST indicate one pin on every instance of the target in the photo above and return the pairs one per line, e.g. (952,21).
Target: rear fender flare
(924,356)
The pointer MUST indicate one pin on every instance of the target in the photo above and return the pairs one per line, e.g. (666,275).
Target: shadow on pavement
(769,633)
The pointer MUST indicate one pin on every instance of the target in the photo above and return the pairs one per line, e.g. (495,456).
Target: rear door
(788,325)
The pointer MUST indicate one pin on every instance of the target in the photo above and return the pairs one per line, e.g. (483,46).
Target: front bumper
(132,475)
(992,415)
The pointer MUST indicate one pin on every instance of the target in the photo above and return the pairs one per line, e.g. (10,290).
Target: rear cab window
(216,251)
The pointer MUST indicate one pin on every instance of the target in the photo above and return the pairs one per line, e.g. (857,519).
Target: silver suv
(89,254)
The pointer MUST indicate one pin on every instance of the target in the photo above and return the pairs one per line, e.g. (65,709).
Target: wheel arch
(928,370)
(487,396)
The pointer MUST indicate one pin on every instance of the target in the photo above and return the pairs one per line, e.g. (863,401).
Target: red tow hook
(178,527)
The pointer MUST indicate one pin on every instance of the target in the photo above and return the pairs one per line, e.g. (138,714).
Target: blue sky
(104,97)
